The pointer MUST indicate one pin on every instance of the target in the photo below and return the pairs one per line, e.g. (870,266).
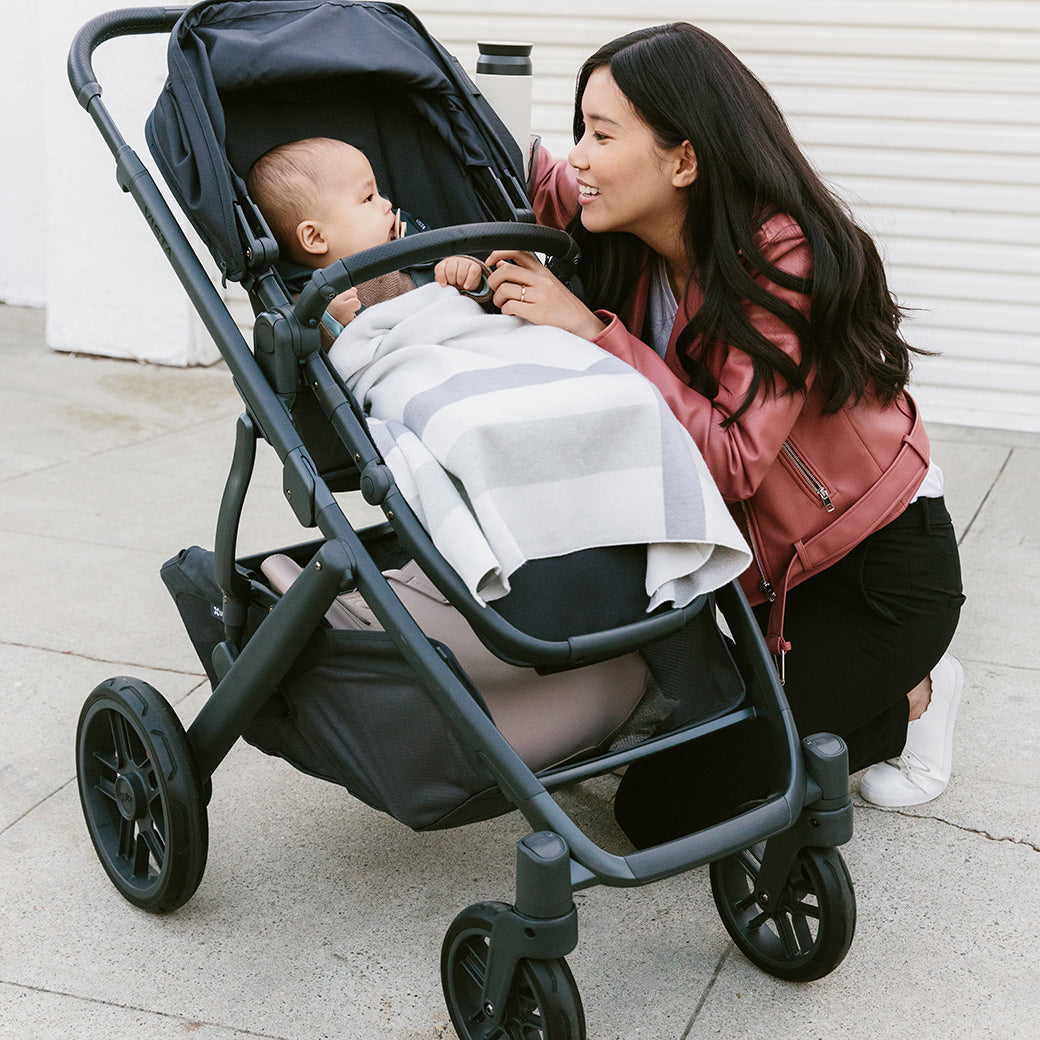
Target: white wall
(925,114)
(91,258)
(23,199)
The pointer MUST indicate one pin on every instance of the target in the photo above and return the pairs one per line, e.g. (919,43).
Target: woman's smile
(586,193)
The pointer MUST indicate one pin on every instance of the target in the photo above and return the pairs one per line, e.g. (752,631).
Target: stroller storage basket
(352,711)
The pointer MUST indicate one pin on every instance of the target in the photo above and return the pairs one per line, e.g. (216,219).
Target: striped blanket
(514,442)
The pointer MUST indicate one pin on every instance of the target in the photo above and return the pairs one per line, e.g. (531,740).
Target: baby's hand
(344,308)
(463,272)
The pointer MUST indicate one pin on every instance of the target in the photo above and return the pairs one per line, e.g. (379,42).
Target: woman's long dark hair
(687,86)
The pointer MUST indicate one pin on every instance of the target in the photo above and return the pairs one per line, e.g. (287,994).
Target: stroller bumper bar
(426,247)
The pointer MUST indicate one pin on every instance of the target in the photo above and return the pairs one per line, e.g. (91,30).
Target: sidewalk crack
(32,808)
(985,498)
(707,991)
(103,660)
(956,826)
(187,1024)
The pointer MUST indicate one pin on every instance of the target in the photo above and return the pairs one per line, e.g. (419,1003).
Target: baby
(319,198)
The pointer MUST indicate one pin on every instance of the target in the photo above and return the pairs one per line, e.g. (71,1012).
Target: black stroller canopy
(248,75)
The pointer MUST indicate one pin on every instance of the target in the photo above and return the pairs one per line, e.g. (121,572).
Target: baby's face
(357,216)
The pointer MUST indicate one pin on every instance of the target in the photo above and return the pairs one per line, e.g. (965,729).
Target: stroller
(391,711)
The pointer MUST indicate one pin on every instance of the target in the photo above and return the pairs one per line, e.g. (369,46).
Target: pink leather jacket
(804,487)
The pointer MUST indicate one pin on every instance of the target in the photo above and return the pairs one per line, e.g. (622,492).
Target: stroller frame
(805,820)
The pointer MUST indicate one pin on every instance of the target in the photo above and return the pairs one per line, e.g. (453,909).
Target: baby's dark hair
(286,183)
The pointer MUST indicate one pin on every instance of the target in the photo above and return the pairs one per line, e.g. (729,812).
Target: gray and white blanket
(514,442)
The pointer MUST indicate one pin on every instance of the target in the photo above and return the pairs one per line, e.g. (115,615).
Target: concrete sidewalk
(318,917)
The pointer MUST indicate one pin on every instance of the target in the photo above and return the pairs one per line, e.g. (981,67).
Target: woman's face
(626,181)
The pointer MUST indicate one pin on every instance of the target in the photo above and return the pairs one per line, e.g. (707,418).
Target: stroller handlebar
(128,21)
(428,246)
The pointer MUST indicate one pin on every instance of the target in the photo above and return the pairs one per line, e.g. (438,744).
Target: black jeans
(867,630)
(863,634)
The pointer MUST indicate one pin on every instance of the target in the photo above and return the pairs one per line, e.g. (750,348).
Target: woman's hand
(526,288)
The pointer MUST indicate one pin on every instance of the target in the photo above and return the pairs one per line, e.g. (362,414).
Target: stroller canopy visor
(248,75)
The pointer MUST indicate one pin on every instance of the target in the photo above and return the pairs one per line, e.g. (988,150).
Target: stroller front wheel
(142,800)
(805,936)
(543,1003)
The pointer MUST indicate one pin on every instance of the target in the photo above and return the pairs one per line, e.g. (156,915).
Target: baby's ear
(310,239)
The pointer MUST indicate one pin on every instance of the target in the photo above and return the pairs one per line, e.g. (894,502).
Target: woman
(719,265)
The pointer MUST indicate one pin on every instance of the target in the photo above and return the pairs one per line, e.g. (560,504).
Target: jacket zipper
(764,584)
(808,476)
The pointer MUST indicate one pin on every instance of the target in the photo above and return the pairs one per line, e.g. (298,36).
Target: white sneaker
(922,772)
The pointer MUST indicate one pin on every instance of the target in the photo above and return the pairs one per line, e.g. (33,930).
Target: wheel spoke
(108,761)
(157,814)
(127,835)
(746,903)
(802,931)
(529,1012)
(474,964)
(525,1020)
(787,935)
(120,739)
(116,735)
(154,844)
(807,910)
(758,920)
(106,788)
(533,1030)
(141,857)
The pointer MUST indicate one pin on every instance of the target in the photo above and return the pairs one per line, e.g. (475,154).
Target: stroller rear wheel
(142,800)
(543,1004)
(807,934)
